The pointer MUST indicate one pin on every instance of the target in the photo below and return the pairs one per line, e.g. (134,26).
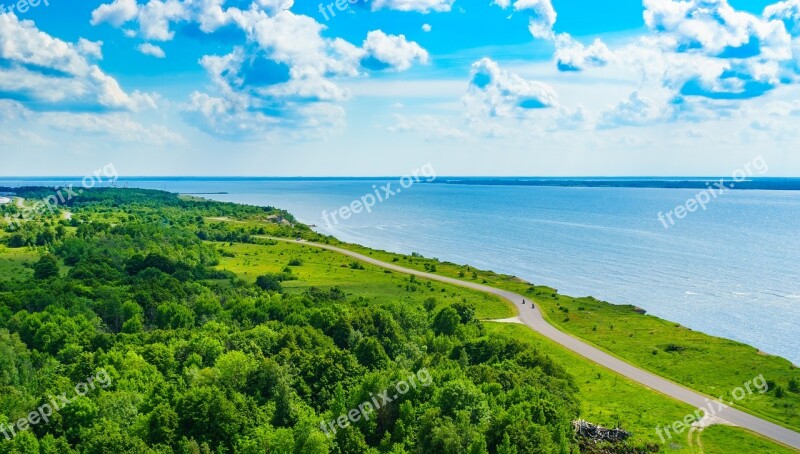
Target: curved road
(534,320)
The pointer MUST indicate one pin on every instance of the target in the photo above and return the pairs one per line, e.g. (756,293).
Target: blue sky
(503,87)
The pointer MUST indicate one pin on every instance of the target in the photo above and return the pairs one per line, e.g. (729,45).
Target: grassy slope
(610,399)
(326,268)
(607,398)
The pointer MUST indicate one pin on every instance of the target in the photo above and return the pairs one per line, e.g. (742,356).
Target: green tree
(162,425)
(446,321)
(269,283)
(370,353)
(46,267)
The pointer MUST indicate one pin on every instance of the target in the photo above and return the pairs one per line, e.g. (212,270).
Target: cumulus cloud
(701,58)
(384,51)
(283,73)
(788,12)
(543,15)
(572,55)
(39,70)
(421,6)
(90,49)
(495,92)
(155,18)
(152,50)
(713,27)
(116,13)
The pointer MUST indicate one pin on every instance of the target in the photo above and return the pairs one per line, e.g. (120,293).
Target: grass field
(725,440)
(610,399)
(607,398)
(13,263)
(325,268)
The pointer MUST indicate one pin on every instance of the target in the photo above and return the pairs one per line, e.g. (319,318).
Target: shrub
(46,267)
(269,283)
(793,385)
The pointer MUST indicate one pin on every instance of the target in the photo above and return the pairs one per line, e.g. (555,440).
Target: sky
(382,87)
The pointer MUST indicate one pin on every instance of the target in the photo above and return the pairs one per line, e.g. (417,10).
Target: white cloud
(422,6)
(426,28)
(51,74)
(12,110)
(637,110)
(391,51)
(284,72)
(155,18)
(497,93)
(116,13)
(571,55)
(226,118)
(118,127)
(715,28)
(543,15)
(90,49)
(152,50)
(788,12)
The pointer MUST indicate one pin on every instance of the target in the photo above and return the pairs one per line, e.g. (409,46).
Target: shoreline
(652,312)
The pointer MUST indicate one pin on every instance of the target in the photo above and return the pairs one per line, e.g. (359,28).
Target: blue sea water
(731,270)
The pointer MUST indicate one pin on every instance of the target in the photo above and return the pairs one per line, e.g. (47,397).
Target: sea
(731,270)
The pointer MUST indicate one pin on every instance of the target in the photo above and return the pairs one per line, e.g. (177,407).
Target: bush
(793,385)
(46,267)
(15,241)
(295,262)
(269,283)
(779,392)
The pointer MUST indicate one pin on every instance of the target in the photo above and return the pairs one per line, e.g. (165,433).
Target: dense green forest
(124,295)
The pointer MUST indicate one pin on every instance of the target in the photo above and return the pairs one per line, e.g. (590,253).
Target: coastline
(717,368)
(535,320)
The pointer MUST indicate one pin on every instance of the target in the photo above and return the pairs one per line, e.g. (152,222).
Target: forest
(119,301)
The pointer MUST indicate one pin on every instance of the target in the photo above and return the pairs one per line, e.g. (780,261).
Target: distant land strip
(773,184)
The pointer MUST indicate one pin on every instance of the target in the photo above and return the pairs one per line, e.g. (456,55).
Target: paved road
(533,319)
